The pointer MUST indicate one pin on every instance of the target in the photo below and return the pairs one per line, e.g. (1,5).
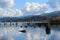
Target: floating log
(23,31)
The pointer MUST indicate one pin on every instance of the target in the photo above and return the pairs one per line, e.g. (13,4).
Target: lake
(11,32)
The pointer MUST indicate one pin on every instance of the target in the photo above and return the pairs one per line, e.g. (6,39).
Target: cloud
(6,38)
(55,35)
(29,9)
(6,3)
(35,8)
(7,32)
(10,13)
(36,34)
(39,34)
(11,31)
(31,34)
(54,4)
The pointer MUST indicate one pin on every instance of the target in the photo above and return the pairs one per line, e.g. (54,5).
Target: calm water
(8,32)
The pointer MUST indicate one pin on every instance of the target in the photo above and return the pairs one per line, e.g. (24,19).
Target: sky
(18,8)
(20,3)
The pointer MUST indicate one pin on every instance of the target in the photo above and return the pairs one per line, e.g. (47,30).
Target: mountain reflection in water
(12,33)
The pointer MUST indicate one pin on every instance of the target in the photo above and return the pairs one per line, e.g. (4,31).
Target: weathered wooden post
(10,23)
(16,24)
(4,23)
(48,26)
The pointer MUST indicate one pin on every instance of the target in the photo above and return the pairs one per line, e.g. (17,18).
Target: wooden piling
(48,31)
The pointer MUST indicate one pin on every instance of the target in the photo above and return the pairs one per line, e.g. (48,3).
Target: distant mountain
(31,17)
(9,19)
(55,13)
(52,14)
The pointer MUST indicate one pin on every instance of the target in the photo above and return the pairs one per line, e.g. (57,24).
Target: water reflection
(12,33)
